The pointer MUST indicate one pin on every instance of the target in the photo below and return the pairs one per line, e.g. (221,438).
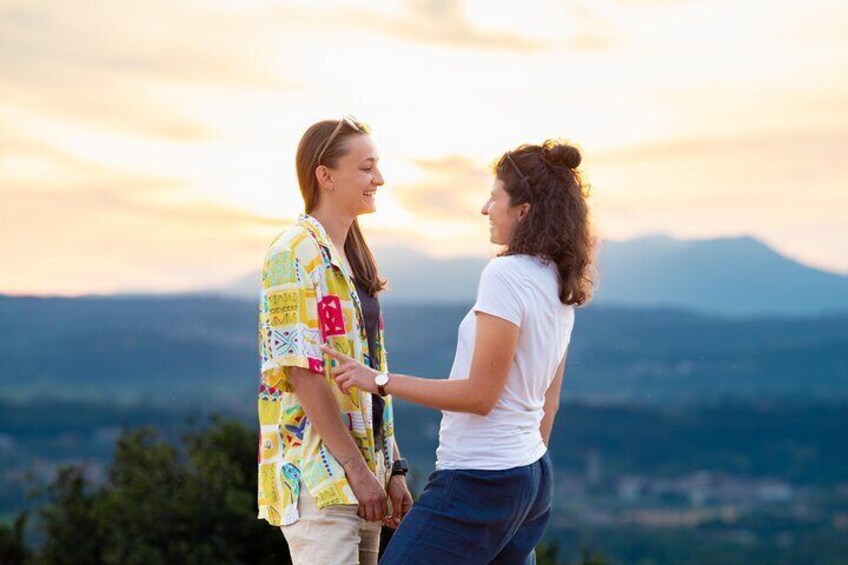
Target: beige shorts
(333,535)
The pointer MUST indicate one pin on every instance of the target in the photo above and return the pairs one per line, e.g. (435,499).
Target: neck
(336,224)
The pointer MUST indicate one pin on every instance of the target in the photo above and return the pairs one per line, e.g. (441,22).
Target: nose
(378,178)
(485,209)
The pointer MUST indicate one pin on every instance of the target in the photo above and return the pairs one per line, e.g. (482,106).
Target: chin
(364,206)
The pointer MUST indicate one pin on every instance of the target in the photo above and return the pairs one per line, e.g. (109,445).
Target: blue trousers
(473,516)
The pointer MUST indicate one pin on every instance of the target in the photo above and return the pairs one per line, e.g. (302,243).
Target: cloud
(443,22)
(101,241)
(428,22)
(782,162)
(109,65)
(453,188)
(78,226)
(162,40)
(780,186)
(123,122)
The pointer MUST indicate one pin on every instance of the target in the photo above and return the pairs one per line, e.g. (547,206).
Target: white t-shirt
(523,290)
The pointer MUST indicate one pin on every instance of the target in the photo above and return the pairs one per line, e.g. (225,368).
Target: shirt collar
(315,228)
(320,234)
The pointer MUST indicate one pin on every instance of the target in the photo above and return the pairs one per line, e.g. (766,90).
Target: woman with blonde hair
(489,499)
(329,466)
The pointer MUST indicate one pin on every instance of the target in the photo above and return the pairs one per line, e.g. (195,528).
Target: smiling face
(503,216)
(353,180)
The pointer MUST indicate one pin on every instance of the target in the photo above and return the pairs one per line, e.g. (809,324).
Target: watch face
(400,467)
(381,379)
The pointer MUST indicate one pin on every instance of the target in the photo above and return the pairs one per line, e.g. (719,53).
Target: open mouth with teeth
(369,193)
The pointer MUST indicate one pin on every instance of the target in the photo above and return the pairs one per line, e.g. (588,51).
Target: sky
(149,146)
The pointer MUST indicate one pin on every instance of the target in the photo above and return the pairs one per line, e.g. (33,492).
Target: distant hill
(201,350)
(414,277)
(732,277)
(735,276)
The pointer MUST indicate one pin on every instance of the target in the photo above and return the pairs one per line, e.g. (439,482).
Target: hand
(401,500)
(349,372)
(368,491)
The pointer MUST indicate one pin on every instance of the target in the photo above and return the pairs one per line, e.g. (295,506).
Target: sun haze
(150,146)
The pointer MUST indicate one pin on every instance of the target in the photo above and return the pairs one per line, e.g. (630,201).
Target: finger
(379,510)
(333,353)
(362,511)
(397,506)
(343,382)
(371,512)
(384,508)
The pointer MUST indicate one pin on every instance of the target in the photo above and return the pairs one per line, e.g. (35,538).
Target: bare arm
(399,495)
(315,395)
(552,402)
(317,400)
(494,349)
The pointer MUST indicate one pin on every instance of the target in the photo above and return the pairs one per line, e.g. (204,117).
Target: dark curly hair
(557,227)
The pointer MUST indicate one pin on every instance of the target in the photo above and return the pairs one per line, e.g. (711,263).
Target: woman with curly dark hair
(489,499)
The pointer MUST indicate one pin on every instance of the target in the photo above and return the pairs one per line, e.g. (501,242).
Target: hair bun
(561,154)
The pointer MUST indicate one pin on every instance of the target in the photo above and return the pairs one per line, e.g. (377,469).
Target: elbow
(482,407)
(303,380)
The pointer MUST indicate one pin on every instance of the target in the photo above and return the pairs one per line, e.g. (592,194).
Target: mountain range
(187,350)
(739,276)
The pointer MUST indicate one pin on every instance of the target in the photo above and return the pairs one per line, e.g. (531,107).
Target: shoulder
(507,268)
(295,243)
(502,277)
(501,290)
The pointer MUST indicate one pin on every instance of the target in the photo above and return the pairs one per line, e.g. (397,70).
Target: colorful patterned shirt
(307,299)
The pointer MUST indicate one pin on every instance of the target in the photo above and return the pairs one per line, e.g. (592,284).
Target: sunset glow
(150,146)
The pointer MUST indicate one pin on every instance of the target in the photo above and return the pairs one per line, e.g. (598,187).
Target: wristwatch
(400,467)
(381,380)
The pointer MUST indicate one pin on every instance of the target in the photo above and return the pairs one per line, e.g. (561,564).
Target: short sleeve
(290,335)
(498,293)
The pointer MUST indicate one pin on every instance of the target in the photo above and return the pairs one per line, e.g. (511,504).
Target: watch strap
(381,389)
(400,467)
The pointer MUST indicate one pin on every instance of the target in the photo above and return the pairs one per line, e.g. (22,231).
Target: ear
(523,210)
(324,177)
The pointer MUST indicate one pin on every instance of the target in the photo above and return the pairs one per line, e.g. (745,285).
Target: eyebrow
(371,159)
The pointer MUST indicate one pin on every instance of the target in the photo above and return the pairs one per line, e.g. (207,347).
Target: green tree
(548,554)
(192,503)
(71,529)
(13,549)
(166,503)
